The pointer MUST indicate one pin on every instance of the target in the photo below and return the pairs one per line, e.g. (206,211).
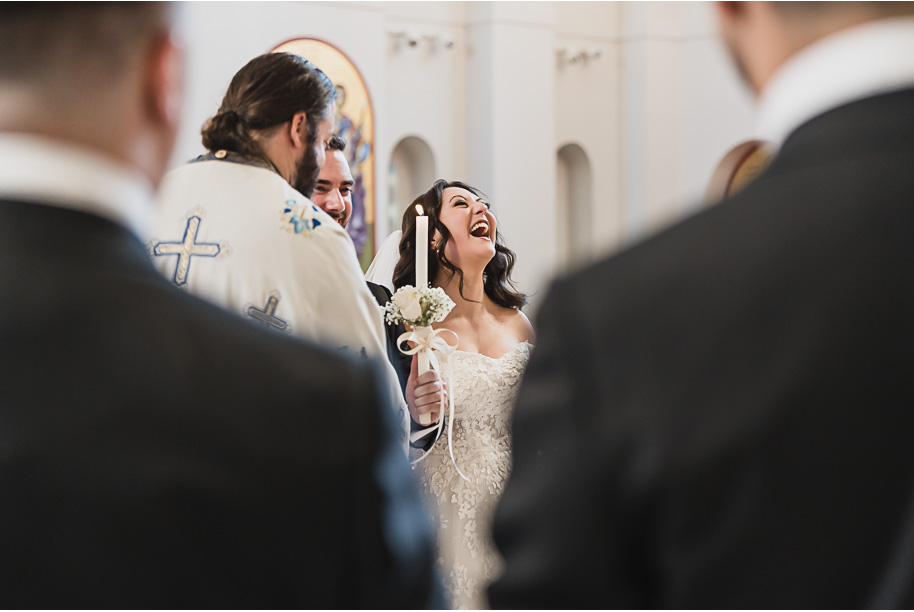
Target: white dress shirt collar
(874,58)
(49,172)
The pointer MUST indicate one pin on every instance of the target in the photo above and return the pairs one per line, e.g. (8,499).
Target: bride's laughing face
(471,225)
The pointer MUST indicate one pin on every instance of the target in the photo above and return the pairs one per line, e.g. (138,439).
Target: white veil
(381,270)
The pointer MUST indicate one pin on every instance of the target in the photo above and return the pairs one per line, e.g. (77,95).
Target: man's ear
(298,130)
(163,84)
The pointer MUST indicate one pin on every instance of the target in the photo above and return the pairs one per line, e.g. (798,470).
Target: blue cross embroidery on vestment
(187,248)
(302,217)
(267,316)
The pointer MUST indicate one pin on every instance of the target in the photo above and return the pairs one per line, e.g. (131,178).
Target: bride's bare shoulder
(525,327)
(518,323)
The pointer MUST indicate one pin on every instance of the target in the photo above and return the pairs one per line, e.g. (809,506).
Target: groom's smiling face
(471,225)
(333,192)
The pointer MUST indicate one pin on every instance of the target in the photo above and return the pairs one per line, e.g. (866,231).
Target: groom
(722,416)
(333,194)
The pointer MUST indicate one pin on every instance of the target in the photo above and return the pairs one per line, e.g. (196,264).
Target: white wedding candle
(421,248)
(422,281)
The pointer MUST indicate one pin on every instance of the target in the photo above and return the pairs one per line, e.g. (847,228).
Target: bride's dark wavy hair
(497,282)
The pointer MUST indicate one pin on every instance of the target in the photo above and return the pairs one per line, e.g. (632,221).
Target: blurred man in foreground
(721,416)
(156,451)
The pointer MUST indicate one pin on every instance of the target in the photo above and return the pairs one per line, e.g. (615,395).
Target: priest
(235,227)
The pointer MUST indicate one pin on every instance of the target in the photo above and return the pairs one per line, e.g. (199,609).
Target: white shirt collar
(849,65)
(46,171)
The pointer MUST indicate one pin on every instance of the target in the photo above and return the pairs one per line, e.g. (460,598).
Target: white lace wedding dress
(484,389)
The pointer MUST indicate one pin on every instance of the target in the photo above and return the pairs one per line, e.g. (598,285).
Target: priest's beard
(307,171)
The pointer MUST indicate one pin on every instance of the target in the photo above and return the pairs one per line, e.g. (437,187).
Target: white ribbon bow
(430,340)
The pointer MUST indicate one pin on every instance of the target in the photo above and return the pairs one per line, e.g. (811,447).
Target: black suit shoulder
(713,407)
(209,447)
(400,361)
(381,293)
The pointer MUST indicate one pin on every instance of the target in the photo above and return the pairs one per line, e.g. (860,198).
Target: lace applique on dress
(484,391)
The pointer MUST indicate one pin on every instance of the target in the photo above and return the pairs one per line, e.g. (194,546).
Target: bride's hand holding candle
(417,308)
(425,394)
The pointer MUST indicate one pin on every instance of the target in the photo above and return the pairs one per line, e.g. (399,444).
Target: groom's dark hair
(497,282)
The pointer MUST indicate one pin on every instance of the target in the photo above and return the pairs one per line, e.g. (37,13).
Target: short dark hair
(497,282)
(66,44)
(336,143)
(876,9)
(263,95)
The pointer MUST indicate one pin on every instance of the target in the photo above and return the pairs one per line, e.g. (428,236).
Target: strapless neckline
(507,353)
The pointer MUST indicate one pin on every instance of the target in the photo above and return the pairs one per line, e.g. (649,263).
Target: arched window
(411,172)
(574,205)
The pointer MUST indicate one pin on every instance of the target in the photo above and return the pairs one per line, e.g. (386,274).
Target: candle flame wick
(419,210)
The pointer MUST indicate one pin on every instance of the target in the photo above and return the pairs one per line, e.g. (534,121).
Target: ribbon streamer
(430,340)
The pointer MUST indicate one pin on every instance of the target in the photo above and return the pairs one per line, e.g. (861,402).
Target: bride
(468,260)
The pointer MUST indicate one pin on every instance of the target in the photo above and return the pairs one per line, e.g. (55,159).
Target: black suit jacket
(401,362)
(159,452)
(722,416)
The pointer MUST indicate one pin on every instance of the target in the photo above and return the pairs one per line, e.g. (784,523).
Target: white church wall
(424,14)
(716,112)
(588,108)
(512,77)
(654,113)
(683,108)
(650,84)
(426,87)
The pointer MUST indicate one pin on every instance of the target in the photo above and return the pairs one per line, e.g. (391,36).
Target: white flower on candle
(418,306)
(408,303)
